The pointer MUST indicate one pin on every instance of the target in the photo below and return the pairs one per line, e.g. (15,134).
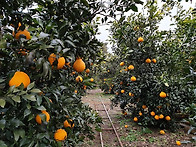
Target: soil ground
(133,135)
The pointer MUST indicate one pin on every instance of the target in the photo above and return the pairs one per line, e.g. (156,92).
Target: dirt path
(134,135)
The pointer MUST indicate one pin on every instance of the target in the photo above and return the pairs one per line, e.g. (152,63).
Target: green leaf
(2,144)
(16,136)
(40,108)
(70,42)
(36,90)
(2,103)
(16,99)
(134,8)
(30,97)
(43,35)
(27,112)
(16,122)
(138,2)
(30,86)
(39,100)
(2,80)
(2,123)
(11,89)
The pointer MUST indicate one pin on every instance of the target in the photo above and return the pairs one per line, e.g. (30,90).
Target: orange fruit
(135,119)
(121,82)
(25,33)
(19,78)
(91,63)
(140,113)
(154,60)
(125,113)
(91,79)
(178,143)
(69,124)
(161,116)
(108,70)
(144,106)
(130,67)
(156,117)
(84,87)
(79,65)
(162,132)
(122,63)
(162,94)
(87,70)
(126,126)
(122,91)
(152,113)
(79,79)
(52,58)
(140,39)
(168,118)
(131,94)
(75,91)
(61,63)
(38,118)
(148,60)
(133,78)
(60,135)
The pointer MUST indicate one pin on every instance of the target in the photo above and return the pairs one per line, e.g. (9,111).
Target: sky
(164,25)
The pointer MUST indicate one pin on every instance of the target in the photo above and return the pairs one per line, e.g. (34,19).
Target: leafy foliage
(153,77)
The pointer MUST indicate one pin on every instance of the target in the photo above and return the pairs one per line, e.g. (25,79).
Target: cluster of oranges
(60,134)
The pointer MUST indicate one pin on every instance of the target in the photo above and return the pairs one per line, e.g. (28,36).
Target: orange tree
(45,47)
(142,88)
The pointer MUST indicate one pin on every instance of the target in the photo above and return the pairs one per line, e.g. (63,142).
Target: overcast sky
(164,25)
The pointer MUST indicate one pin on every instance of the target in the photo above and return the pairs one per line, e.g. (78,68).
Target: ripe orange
(126,126)
(84,87)
(79,65)
(168,118)
(156,117)
(131,94)
(79,79)
(161,116)
(178,143)
(122,63)
(87,70)
(69,123)
(25,33)
(135,119)
(130,67)
(125,113)
(52,58)
(75,91)
(60,135)
(162,132)
(108,70)
(140,39)
(144,106)
(122,91)
(92,80)
(140,113)
(38,118)
(61,63)
(133,78)
(162,94)
(154,60)
(19,78)
(152,113)
(148,60)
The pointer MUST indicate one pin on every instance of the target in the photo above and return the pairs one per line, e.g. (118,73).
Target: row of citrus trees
(156,80)
(47,49)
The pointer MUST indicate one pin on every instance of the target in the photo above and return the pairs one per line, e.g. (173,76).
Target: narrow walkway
(107,137)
